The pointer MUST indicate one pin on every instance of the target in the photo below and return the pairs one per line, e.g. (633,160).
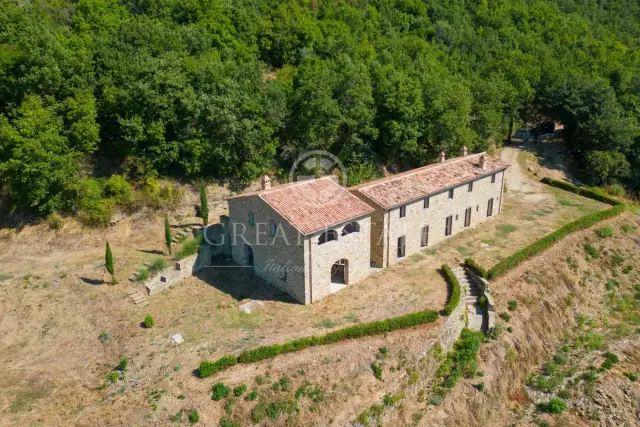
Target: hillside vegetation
(231,89)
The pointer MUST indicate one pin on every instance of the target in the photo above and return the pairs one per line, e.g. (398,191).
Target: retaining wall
(181,270)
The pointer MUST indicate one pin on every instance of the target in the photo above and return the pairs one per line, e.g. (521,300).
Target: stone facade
(181,270)
(288,260)
(388,225)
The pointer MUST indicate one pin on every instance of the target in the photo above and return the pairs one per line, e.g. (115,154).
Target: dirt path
(516,180)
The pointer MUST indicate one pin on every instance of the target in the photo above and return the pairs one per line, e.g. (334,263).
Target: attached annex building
(312,238)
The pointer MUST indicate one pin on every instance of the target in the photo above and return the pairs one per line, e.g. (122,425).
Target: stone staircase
(470,294)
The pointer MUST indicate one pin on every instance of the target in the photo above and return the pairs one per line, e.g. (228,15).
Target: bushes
(189,247)
(475,267)
(553,406)
(605,232)
(591,193)
(210,368)
(544,243)
(357,331)
(454,289)
(461,361)
(220,391)
(377,371)
(54,221)
(148,321)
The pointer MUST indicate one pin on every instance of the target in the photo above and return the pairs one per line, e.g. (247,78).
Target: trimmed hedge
(591,193)
(357,331)
(475,267)
(544,243)
(454,286)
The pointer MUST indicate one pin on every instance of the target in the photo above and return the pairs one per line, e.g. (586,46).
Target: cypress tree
(204,205)
(108,263)
(167,233)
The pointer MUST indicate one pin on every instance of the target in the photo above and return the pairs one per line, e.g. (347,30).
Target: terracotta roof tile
(412,185)
(313,205)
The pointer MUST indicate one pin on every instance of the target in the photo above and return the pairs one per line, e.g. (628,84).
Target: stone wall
(181,270)
(279,259)
(354,247)
(440,207)
(453,326)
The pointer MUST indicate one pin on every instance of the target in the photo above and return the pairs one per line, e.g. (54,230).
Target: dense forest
(96,95)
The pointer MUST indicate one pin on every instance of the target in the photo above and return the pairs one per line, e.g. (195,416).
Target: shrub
(228,406)
(190,247)
(437,399)
(510,329)
(627,269)
(118,189)
(505,316)
(512,305)
(552,406)
(148,321)
(610,359)
(461,360)
(239,390)
(143,274)
(475,267)
(454,289)
(93,209)
(479,386)
(54,221)
(220,391)
(605,232)
(631,376)
(159,196)
(593,252)
(544,243)
(377,371)
(226,422)
(157,265)
(210,368)
(274,409)
(253,395)
(113,377)
(124,362)
(615,190)
(194,417)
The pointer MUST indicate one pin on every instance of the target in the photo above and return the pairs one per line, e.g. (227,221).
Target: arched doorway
(340,272)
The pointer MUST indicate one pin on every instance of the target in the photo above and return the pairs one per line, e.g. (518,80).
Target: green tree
(605,166)
(204,205)
(167,233)
(108,263)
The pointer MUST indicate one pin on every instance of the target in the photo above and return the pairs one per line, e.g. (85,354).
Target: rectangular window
(424,240)
(252,219)
(448,226)
(467,217)
(403,211)
(470,186)
(426,202)
(490,207)
(401,247)
(493,178)
(274,228)
(451,193)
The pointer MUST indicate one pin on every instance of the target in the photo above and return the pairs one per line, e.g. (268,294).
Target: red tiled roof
(313,205)
(412,185)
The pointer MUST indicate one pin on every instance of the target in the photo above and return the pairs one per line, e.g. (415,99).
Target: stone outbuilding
(308,238)
(421,207)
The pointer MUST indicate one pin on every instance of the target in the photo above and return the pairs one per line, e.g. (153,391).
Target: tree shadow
(151,251)
(240,281)
(552,154)
(94,282)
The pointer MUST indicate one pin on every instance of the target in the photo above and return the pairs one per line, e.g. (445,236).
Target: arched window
(328,236)
(352,227)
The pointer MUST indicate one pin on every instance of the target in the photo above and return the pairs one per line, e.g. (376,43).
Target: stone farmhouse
(312,238)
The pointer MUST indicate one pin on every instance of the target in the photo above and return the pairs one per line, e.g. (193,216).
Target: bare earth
(54,307)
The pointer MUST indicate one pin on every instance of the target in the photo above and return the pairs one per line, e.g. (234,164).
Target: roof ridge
(411,172)
(279,187)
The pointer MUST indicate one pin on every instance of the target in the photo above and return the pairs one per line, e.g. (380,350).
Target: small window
(493,178)
(477,208)
(426,202)
(467,217)
(456,217)
(284,274)
(401,247)
(424,239)
(448,226)
(451,193)
(328,236)
(273,228)
(403,211)
(470,186)
(252,219)
(490,208)
(352,227)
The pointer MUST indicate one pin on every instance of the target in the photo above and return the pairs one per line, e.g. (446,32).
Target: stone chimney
(464,151)
(265,181)
(443,157)
(482,162)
